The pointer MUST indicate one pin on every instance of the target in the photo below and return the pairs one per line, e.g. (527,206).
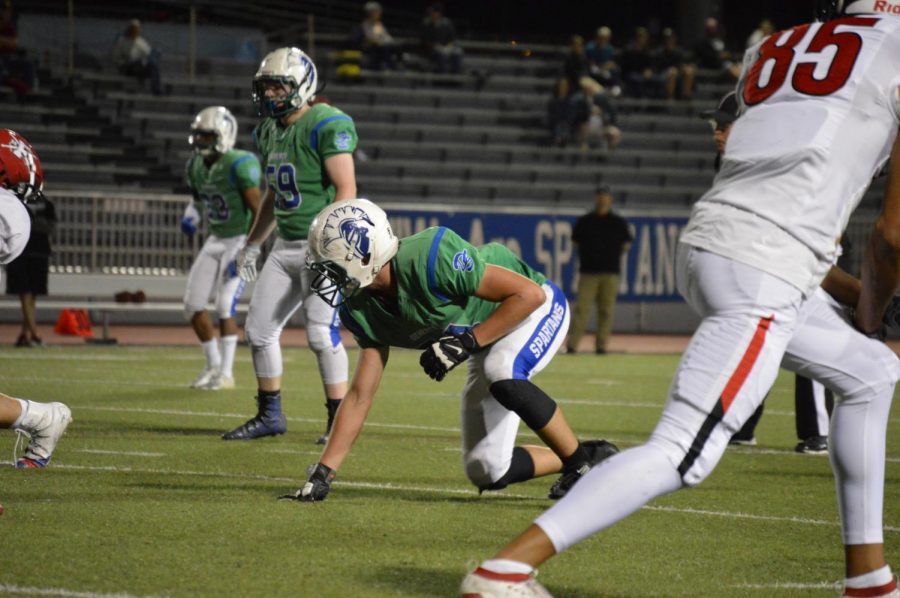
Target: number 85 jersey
(294,157)
(819,114)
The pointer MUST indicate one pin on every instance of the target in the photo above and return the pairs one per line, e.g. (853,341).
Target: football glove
(448,352)
(190,220)
(317,485)
(892,315)
(246,262)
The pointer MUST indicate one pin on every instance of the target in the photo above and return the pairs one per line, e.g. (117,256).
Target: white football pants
(751,320)
(213,274)
(283,287)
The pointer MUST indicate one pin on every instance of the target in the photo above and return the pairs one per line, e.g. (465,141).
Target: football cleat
(888,590)
(816,445)
(482,583)
(44,436)
(598,450)
(742,441)
(332,410)
(220,382)
(258,427)
(205,377)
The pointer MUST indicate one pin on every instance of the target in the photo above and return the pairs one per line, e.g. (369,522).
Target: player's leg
(862,373)
(813,404)
(200,287)
(324,336)
(230,287)
(508,366)
(276,297)
(728,367)
(584,302)
(607,289)
(43,422)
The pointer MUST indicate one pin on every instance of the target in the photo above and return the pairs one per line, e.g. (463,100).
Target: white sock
(22,415)
(211,351)
(872,579)
(228,347)
(507,566)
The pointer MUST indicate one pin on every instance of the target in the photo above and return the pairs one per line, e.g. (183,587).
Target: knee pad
(521,468)
(526,400)
(322,337)
(267,362)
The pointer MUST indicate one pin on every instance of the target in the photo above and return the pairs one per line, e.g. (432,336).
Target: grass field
(143,498)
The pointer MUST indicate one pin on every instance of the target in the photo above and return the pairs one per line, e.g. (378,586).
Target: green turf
(143,498)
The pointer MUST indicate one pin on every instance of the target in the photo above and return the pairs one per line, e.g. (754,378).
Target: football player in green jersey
(308,155)
(436,292)
(226,181)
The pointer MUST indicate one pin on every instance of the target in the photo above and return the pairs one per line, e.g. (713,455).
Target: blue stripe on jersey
(232,174)
(335,329)
(544,334)
(432,257)
(351,324)
(314,134)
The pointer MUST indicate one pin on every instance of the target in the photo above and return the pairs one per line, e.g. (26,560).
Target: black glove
(892,314)
(317,485)
(448,352)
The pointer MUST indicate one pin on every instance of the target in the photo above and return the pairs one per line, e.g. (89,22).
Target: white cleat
(482,583)
(44,433)
(205,378)
(220,382)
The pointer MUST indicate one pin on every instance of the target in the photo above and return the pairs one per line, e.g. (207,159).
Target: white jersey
(820,112)
(15,226)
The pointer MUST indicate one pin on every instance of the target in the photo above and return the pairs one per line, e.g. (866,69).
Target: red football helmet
(20,167)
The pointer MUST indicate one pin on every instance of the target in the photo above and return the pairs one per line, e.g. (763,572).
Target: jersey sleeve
(245,172)
(188,170)
(259,140)
(350,323)
(334,135)
(454,267)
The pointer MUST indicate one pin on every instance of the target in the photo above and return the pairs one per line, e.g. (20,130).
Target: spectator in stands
(439,41)
(135,57)
(28,272)
(671,63)
(638,67)
(711,52)
(16,70)
(601,116)
(561,113)
(765,29)
(602,238)
(576,65)
(601,56)
(374,40)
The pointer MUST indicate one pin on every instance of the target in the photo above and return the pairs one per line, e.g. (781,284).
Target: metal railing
(121,233)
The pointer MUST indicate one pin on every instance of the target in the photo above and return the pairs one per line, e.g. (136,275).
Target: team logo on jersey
(462,262)
(352,229)
(342,141)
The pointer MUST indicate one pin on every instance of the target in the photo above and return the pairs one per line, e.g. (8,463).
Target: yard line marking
(434,490)
(14,589)
(124,453)
(293,452)
(790,585)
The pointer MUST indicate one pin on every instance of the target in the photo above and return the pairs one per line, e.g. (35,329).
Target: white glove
(246,262)
(190,221)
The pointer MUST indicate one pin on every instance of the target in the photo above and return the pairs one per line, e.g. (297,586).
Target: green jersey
(220,186)
(295,164)
(437,274)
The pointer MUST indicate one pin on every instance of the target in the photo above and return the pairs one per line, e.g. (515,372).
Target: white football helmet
(218,122)
(349,242)
(295,72)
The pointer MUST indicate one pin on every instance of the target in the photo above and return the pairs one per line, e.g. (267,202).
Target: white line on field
(14,589)
(124,453)
(293,452)
(790,585)
(433,490)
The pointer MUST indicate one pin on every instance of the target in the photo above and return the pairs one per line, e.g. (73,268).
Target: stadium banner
(544,241)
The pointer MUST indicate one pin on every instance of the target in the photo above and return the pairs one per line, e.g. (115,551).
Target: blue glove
(190,220)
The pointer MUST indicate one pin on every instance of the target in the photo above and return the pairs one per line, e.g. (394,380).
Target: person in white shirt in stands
(135,57)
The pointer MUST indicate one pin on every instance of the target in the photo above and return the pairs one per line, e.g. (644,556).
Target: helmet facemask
(204,142)
(280,106)
(332,283)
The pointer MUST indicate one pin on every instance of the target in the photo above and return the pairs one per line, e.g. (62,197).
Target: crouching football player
(434,291)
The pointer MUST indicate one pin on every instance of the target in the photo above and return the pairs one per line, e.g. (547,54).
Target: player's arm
(517,295)
(881,266)
(348,423)
(263,218)
(341,171)
(842,286)
(252,198)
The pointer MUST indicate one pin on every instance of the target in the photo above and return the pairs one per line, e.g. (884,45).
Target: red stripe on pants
(747,361)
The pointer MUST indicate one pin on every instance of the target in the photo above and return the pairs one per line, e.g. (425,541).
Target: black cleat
(258,427)
(816,445)
(598,450)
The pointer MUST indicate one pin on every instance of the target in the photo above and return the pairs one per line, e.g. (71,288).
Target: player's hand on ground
(246,262)
(190,221)
(446,353)
(317,486)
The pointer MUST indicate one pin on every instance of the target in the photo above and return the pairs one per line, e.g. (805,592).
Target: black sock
(332,406)
(576,459)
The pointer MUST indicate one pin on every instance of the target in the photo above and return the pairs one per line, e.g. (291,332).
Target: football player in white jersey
(21,179)
(821,110)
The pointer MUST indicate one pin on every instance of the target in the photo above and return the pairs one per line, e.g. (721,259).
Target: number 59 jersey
(294,157)
(819,114)
(219,187)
